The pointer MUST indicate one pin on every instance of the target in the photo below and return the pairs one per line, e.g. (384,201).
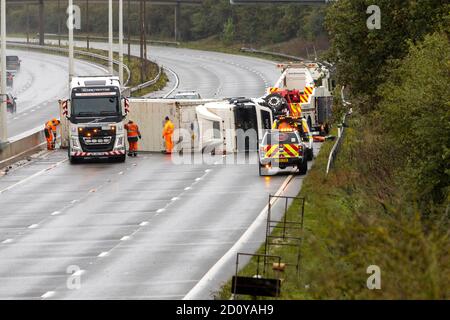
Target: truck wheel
(303,167)
(122,158)
(72,160)
(275,101)
(309,154)
(262,171)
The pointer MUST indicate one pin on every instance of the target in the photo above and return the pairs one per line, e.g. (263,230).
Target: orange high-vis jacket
(168,129)
(132,130)
(51,125)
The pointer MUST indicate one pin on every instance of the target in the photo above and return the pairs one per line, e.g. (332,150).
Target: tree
(415,109)
(228,32)
(363,56)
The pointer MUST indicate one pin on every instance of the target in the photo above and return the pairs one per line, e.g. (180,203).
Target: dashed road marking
(33,226)
(7,241)
(48,294)
(143,223)
(103,254)
(55,213)
(125,238)
(160,210)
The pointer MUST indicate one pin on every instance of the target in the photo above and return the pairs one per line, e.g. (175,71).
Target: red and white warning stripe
(65,110)
(90,154)
(127,105)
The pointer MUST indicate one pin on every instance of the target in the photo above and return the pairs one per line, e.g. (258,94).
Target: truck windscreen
(95,106)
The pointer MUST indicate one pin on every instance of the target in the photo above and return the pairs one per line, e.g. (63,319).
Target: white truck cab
(96,114)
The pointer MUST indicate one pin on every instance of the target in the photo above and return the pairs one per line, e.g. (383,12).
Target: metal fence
(341,129)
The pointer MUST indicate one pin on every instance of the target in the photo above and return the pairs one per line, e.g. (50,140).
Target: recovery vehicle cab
(300,125)
(282,148)
(96,113)
(304,88)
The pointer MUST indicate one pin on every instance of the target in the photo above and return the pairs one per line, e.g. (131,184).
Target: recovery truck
(303,88)
(96,114)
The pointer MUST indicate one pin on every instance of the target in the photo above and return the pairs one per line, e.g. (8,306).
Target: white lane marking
(121,172)
(125,238)
(32,176)
(208,170)
(187,188)
(143,223)
(103,254)
(54,213)
(177,82)
(48,294)
(74,201)
(198,179)
(33,226)
(78,273)
(230,255)
(7,241)
(160,210)
(174,199)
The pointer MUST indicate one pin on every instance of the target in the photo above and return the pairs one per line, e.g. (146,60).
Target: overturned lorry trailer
(230,125)
(212,126)
(315,86)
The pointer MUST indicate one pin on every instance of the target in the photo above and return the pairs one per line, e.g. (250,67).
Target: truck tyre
(303,167)
(262,171)
(72,160)
(122,158)
(310,154)
(275,101)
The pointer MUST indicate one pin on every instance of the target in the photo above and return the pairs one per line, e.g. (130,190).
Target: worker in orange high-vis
(133,135)
(167,135)
(50,133)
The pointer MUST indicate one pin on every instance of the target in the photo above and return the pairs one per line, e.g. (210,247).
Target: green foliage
(415,109)
(361,55)
(254,24)
(228,32)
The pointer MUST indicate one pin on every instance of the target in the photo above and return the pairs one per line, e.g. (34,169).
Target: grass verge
(355,218)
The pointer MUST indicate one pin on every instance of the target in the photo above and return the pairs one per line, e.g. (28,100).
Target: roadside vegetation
(386,201)
(290,29)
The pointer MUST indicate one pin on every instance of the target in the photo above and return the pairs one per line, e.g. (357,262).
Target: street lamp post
(70,26)
(110,37)
(121,41)
(3,128)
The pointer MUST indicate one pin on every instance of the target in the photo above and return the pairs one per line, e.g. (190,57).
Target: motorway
(144,229)
(39,84)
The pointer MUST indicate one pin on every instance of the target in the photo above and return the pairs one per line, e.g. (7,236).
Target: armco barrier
(341,129)
(21,146)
